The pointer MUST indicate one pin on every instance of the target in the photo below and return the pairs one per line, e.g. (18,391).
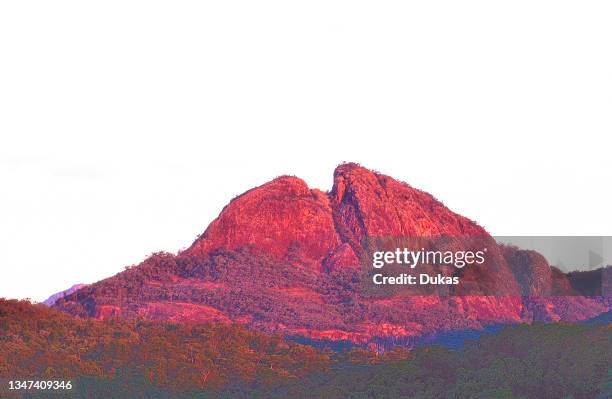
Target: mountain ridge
(283,258)
(53,298)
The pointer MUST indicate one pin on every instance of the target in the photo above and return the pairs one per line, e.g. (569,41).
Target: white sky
(126,126)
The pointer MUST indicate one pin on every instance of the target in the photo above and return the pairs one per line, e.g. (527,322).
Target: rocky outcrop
(283,219)
(285,258)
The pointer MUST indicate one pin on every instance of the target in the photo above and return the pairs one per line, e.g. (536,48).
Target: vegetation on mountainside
(37,342)
(143,359)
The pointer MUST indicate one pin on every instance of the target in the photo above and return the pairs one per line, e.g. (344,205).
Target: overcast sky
(126,126)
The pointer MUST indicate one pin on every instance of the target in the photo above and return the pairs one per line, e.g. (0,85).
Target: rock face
(342,257)
(285,218)
(372,204)
(285,258)
(282,218)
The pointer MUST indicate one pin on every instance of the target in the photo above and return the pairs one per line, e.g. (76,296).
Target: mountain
(287,259)
(53,298)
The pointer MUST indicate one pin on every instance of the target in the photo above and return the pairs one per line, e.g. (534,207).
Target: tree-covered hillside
(143,359)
